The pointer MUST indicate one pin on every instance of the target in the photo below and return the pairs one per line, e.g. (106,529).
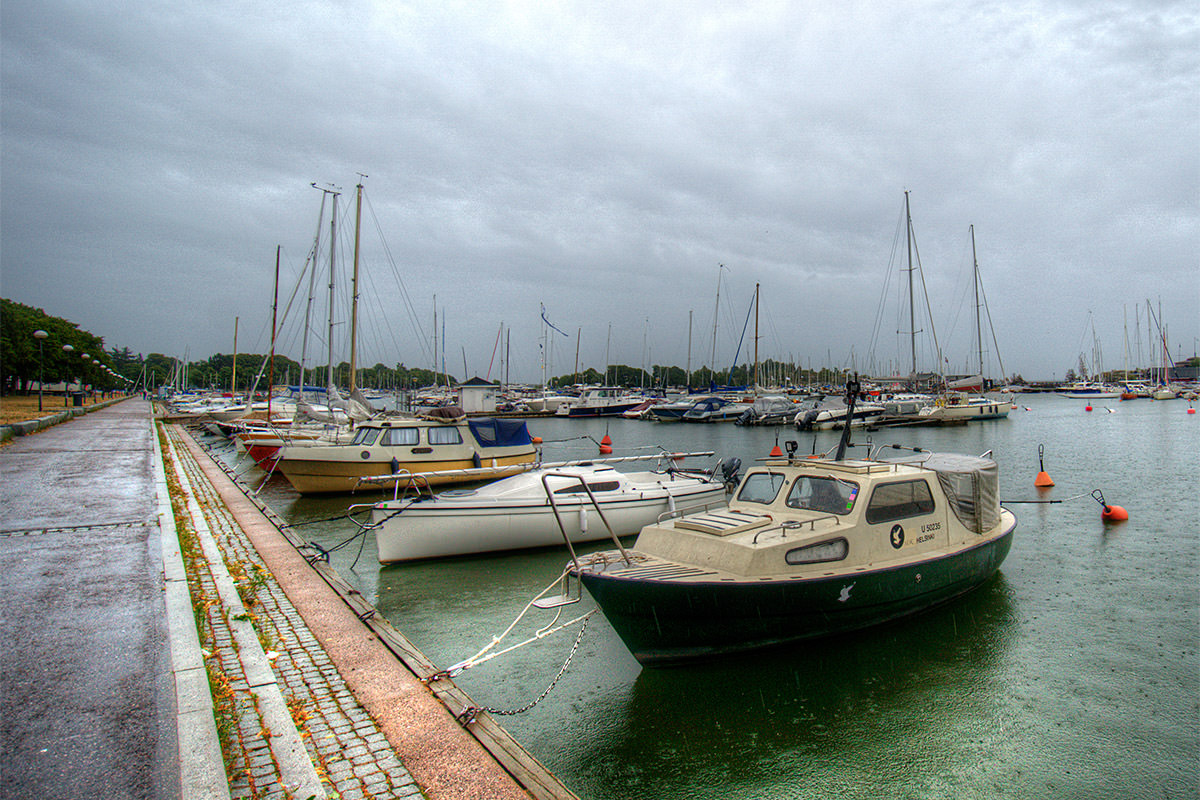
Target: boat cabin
(818,517)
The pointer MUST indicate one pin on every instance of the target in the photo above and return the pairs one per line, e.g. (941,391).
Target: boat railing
(592,499)
(795,524)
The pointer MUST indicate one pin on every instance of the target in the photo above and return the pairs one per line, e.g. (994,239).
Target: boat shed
(477,396)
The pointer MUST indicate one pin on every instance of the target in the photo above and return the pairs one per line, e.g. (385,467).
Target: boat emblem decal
(845,595)
(897,536)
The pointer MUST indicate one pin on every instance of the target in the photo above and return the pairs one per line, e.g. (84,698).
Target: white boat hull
(451,526)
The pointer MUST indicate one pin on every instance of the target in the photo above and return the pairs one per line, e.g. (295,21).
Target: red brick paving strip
(446,761)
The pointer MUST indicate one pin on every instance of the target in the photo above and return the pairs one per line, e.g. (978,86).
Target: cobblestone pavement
(352,758)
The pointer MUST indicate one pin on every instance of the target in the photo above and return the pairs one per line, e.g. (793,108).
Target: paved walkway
(108,686)
(86,701)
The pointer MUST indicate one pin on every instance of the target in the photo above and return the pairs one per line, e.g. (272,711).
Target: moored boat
(715,409)
(386,446)
(831,413)
(806,548)
(526,510)
(599,401)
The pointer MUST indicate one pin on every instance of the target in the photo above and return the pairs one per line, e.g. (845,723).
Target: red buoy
(606,440)
(1114,514)
(1109,513)
(605,449)
(1191,410)
(776,451)
(1087,408)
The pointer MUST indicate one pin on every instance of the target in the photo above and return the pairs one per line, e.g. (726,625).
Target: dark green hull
(664,621)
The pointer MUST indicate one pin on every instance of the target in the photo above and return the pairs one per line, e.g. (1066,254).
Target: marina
(1071,672)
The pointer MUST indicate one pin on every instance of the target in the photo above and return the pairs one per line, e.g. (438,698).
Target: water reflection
(848,703)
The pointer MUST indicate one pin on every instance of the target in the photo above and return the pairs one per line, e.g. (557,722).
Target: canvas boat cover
(491,432)
(972,487)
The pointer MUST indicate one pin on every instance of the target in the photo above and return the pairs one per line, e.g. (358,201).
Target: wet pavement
(108,685)
(86,706)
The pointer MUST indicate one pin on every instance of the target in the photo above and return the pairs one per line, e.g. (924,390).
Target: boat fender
(583,515)
(476,460)
(395,465)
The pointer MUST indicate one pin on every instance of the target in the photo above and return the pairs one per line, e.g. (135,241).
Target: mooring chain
(468,714)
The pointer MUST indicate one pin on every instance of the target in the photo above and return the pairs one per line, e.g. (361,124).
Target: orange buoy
(535,439)
(606,440)
(1042,479)
(1109,513)
(1114,514)
(776,451)
(1191,410)
(1087,408)
(605,449)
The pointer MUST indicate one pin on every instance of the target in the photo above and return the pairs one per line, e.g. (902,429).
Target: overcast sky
(603,159)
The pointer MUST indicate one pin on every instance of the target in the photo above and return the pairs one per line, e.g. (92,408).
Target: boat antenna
(852,389)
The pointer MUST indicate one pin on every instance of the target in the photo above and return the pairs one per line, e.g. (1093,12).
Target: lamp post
(39,335)
(68,349)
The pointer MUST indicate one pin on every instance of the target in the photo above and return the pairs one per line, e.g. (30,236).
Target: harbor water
(1074,672)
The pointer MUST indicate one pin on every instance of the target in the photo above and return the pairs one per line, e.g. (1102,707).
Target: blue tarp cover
(491,432)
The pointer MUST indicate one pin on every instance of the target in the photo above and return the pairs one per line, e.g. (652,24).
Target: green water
(1073,673)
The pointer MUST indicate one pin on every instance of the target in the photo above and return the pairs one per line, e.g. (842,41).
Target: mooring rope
(468,714)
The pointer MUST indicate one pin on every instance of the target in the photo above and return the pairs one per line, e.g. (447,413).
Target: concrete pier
(245,673)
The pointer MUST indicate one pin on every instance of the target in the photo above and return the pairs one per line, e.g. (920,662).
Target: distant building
(1186,370)
(477,396)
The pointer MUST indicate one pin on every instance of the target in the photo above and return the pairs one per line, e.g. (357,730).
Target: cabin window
(835,550)
(401,436)
(827,495)
(760,487)
(604,486)
(366,436)
(444,436)
(892,501)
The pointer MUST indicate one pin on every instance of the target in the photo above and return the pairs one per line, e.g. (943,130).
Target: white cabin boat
(517,512)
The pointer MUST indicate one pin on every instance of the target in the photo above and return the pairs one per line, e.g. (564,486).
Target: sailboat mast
(912,320)
(756,337)
(332,254)
(311,263)
(689,356)
(274,312)
(233,377)
(978,329)
(354,290)
(716,316)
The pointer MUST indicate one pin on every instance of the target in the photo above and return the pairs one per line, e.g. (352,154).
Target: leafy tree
(19,357)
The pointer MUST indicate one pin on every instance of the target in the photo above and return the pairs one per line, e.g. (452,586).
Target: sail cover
(972,486)
(491,432)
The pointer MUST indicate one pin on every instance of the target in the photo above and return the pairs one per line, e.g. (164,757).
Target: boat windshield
(366,436)
(760,487)
(827,495)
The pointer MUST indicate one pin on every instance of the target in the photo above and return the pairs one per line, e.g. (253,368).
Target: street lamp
(39,335)
(67,383)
